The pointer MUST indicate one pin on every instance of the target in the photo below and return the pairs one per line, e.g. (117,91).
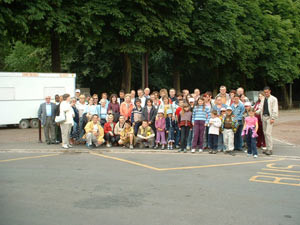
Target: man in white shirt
(141,97)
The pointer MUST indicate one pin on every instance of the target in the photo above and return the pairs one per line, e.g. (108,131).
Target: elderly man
(46,115)
(268,110)
(240,92)
(147,93)
(141,96)
(225,98)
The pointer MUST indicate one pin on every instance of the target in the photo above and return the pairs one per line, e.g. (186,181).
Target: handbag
(61,118)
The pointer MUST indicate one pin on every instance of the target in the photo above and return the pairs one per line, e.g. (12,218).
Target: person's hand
(149,122)
(167,131)
(193,124)
(111,133)
(133,124)
(179,128)
(272,121)
(100,142)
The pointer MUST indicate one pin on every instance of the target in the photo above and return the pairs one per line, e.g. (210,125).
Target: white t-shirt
(214,128)
(96,127)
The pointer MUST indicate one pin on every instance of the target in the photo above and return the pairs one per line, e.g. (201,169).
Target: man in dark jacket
(46,115)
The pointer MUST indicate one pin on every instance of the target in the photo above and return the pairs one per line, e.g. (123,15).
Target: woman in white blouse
(65,107)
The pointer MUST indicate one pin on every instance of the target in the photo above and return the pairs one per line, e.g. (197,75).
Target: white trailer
(22,93)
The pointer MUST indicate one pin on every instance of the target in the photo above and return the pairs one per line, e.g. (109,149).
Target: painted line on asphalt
(126,161)
(284,142)
(288,171)
(29,157)
(183,168)
(279,174)
(276,180)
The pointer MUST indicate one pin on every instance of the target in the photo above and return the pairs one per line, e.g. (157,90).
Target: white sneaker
(200,150)
(107,145)
(188,148)
(70,146)
(255,156)
(264,148)
(65,147)
(193,150)
(131,146)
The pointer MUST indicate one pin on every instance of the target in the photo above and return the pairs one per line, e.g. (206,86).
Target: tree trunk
(176,73)
(286,100)
(55,52)
(126,79)
(143,71)
(217,83)
(146,70)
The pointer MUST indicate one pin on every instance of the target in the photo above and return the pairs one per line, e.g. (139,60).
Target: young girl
(185,125)
(109,135)
(160,125)
(165,106)
(171,125)
(214,130)
(127,135)
(201,116)
(250,131)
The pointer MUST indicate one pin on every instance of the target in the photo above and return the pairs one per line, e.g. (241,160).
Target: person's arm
(274,110)
(122,111)
(218,122)
(163,124)
(40,112)
(193,116)
(132,117)
(256,126)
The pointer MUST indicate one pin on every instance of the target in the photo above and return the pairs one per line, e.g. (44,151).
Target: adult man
(145,135)
(172,93)
(268,110)
(141,96)
(121,97)
(147,93)
(132,96)
(57,99)
(46,115)
(224,96)
(238,110)
(94,133)
(240,92)
(77,94)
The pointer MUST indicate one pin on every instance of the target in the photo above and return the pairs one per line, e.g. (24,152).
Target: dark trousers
(110,139)
(207,141)
(177,135)
(238,139)
(58,133)
(213,141)
(184,136)
(136,127)
(199,128)
(251,143)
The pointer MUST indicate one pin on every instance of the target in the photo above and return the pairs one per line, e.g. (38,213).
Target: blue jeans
(190,138)
(81,128)
(238,140)
(221,146)
(136,127)
(171,133)
(206,138)
(177,135)
(213,141)
(251,143)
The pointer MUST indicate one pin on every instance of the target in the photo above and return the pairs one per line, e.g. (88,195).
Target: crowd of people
(168,120)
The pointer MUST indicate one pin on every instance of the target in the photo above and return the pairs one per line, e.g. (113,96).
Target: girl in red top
(109,131)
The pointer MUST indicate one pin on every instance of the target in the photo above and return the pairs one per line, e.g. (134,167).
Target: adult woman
(66,126)
(155,99)
(165,105)
(149,114)
(126,107)
(91,109)
(261,143)
(81,106)
(75,129)
(102,111)
(114,107)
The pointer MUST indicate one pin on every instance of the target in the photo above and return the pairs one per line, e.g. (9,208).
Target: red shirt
(178,110)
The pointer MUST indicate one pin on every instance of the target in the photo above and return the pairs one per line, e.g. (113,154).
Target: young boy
(171,125)
(109,131)
(146,135)
(127,135)
(214,130)
(229,126)
(136,116)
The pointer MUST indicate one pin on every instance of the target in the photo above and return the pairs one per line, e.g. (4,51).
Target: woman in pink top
(126,107)
(250,131)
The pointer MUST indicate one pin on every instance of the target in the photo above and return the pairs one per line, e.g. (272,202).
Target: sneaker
(156,147)
(65,146)
(200,150)
(70,146)
(163,147)
(131,146)
(177,146)
(171,148)
(210,151)
(107,145)
(193,150)
(245,151)
(214,152)
(185,151)
(255,156)
(264,148)
(188,147)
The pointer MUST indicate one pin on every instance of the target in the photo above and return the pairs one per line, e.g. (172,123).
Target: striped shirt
(200,114)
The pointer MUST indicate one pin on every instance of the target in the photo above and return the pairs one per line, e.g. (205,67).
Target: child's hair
(145,121)
(138,100)
(214,112)
(128,122)
(251,110)
(184,106)
(197,104)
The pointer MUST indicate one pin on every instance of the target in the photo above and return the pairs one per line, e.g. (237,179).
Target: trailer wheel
(24,124)
(34,123)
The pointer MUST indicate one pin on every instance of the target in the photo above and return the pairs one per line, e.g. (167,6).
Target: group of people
(184,121)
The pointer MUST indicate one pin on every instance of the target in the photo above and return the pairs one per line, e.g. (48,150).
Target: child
(136,116)
(145,135)
(214,129)
(109,131)
(160,125)
(170,126)
(221,146)
(250,131)
(200,117)
(127,136)
(229,126)
(185,125)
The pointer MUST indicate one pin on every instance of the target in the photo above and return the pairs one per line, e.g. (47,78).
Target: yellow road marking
(219,165)
(126,161)
(278,174)
(271,165)
(288,171)
(276,180)
(181,168)
(29,157)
